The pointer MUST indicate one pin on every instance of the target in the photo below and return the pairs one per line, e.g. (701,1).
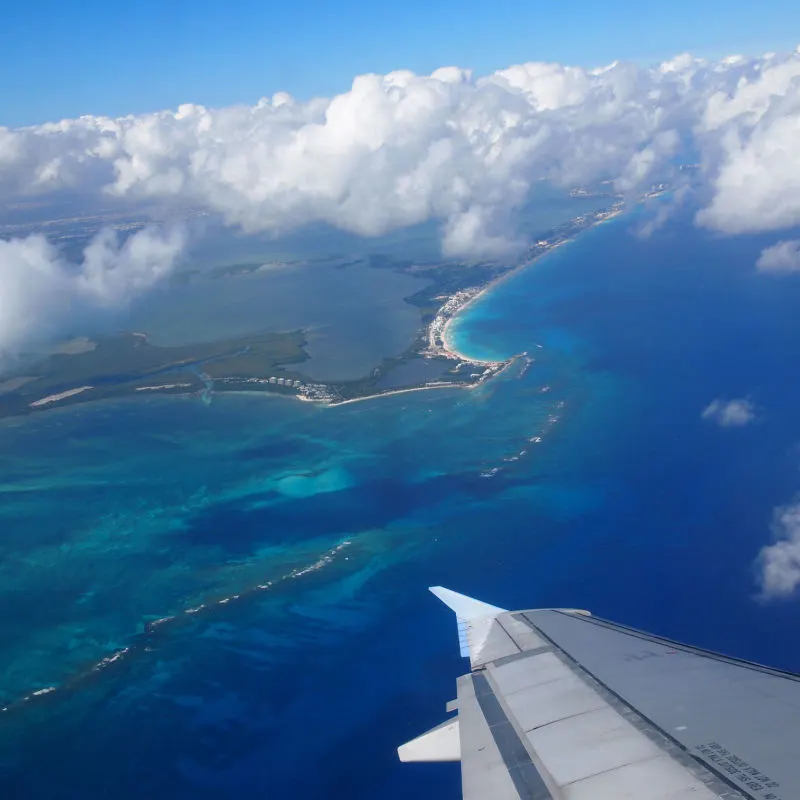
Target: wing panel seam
(671,746)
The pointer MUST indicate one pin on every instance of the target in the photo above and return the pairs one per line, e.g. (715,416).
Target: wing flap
(442,743)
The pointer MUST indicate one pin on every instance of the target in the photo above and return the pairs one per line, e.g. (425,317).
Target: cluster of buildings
(319,393)
(565,232)
(289,383)
(454,304)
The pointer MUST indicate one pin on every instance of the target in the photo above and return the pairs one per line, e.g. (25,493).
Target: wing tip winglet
(465,607)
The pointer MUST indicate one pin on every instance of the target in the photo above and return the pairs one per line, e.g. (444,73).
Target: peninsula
(128,364)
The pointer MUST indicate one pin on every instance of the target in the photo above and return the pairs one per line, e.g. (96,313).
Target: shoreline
(447,332)
(447,347)
(438,333)
(404,390)
(495,368)
(434,341)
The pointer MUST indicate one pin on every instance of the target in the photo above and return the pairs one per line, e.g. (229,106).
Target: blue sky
(65,59)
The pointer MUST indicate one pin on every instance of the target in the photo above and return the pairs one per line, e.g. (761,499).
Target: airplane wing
(561,704)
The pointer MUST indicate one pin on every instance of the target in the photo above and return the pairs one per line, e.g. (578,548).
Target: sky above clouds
(62,60)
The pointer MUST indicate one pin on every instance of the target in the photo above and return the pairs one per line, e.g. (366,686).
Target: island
(128,364)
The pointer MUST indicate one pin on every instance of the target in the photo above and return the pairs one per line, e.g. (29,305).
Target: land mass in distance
(128,364)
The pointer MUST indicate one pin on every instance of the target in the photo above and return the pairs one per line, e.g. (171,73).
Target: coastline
(448,349)
(405,390)
(435,340)
(438,333)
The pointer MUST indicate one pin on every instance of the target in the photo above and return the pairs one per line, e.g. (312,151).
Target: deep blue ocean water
(116,515)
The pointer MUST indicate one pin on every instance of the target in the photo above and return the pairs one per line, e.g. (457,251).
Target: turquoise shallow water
(117,515)
(163,504)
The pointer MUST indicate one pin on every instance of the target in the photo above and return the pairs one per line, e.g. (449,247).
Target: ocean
(254,571)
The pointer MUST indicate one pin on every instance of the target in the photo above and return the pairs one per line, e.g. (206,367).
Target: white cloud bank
(402,148)
(730,413)
(781,257)
(778,564)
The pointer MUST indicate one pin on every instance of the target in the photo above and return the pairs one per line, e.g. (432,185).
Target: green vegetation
(263,356)
(130,356)
(121,365)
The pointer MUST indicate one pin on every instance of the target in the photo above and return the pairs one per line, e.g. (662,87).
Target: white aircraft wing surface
(561,704)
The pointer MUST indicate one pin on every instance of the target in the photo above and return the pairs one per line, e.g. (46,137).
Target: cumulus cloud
(751,133)
(402,148)
(781,257)
(778,564)
(460,149)
(41,293)
(730,413)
